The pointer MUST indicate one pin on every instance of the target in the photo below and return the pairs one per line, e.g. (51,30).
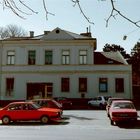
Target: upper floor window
(48,57)
(82,84)
(83,57)
(119,84)
(65,57)
(10,57)
(31,57)
(65,85)
(103,84)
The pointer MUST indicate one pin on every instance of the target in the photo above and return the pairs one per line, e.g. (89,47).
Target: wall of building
(22,78)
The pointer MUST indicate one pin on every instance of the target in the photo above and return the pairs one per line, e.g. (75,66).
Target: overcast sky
(69,18)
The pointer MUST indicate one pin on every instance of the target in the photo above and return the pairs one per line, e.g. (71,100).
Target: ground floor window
(65,85)
(119,85)
(103,84)
(82,84)
(9,86)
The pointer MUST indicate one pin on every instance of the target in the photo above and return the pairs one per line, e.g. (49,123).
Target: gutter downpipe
(1,46)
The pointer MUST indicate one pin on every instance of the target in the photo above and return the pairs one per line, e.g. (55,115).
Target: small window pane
(31,57)
(65,57)
(83,56)
(65,85)
(103,85)
(48,57)
(11,57)
(119,83)
(82,84)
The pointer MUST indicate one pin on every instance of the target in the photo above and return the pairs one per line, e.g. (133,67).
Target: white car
(99,102)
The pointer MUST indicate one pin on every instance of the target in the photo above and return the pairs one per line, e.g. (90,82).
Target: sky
(68,17)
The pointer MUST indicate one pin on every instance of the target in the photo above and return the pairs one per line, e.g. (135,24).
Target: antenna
(89,28)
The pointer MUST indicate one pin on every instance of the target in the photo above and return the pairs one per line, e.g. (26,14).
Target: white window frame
(10,57)
(83,57)
(65,57)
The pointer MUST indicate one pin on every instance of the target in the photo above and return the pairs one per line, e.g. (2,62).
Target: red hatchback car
(122,110)
(26,111)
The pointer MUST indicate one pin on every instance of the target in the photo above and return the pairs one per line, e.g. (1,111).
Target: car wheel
(108,115)
(111,122)
(44,119)
(5,120)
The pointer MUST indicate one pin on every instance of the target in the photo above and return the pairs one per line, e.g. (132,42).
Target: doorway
(39,90)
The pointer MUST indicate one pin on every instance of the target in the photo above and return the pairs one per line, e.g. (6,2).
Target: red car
(47,103)
(25,111)
(109,102)
(122,110)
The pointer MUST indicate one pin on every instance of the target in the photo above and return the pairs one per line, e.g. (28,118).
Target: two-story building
(59,63)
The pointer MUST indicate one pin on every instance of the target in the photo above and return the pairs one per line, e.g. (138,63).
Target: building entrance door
(39,90)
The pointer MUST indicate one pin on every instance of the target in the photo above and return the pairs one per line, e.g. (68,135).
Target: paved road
(78,125)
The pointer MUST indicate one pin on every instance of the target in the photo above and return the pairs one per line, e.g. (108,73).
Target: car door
(99,101)
(94,101)
(29,112)
(15,111)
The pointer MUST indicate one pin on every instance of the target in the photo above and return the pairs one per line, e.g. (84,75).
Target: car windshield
(59,105)
(123,105)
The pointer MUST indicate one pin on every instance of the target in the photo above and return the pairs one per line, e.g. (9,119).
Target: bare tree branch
(136,23)
(81,10)
(45,8)
(12,5)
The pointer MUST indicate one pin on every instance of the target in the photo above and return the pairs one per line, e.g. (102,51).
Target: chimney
(31,33)
(88,33)
(46,32)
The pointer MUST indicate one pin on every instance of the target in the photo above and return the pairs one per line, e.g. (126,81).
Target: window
(11,57)
(82,84)
(65,85)
(65,57)
(103,85)
(119,84)
(83,57)
(31,57)
(9,86)
(48,57)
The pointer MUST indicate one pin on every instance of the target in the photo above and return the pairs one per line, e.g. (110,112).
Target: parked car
(99,102)
(65,102)
(26,111)
(109,102)
(122,110)
(51,103)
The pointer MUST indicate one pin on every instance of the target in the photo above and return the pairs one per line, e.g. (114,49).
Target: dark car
(65,102)
(50,103)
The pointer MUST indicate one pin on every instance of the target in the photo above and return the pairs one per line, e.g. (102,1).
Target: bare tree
(14,6)
(12,31)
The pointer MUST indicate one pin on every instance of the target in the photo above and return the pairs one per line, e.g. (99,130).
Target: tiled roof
(109,58)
